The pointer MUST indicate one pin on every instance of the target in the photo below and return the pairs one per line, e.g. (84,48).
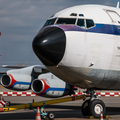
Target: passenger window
(66,21)
(81,23)
(89,23)
(50,22)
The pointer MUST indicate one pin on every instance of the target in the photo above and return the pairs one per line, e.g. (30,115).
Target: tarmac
(63,111)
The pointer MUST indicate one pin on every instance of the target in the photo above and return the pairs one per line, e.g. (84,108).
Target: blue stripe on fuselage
(22,83)
(56,89)
(98,28)
(50,89)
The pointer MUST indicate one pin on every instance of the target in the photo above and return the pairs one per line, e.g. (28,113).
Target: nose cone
(49,45)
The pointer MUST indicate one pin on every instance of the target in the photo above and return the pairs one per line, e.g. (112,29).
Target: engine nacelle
(18,79)
(48,85)
(13,81)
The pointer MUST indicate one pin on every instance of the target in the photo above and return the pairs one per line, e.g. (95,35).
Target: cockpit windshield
(65,21)
(81,22)
(50,22)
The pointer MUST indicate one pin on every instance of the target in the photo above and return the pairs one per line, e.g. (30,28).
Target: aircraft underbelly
(88,78)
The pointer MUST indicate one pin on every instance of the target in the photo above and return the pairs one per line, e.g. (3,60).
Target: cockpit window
(81,15)
(73,14)
(66,21)
(50,22)
(89,23)
(81,23)
(85,23)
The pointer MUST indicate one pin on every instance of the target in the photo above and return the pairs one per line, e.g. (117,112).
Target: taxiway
(63,111)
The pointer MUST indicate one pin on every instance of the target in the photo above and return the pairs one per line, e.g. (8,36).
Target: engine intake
(37,86)
(20,79)
(49,85)
(6,80)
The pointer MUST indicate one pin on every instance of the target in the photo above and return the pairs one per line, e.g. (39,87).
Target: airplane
(36,78)
(81,46)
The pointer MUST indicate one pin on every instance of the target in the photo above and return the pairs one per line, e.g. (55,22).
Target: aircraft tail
(118,4)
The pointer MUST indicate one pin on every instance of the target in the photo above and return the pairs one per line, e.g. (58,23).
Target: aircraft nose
(49,45)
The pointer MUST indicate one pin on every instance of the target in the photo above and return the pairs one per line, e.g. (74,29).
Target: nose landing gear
(93,106)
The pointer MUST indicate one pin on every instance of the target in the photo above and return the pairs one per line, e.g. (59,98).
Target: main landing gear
(93,106)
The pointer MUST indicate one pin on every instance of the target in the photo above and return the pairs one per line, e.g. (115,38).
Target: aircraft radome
(81,45)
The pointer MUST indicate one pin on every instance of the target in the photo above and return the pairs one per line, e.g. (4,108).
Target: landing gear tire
(95,108)
(85,108)
(51,115)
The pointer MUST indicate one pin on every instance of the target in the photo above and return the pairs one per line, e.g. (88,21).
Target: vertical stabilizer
(118,5)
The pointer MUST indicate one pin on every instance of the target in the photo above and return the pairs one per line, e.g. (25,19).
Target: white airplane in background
(38,79)
(81,45)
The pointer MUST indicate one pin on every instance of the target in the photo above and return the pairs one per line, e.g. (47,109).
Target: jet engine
(48,85)
(40,80)
(18,79)
(16,82)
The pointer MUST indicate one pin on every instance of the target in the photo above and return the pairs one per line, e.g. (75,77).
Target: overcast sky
(20,21)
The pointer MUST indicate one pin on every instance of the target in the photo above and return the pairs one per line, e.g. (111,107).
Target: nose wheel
(93,107)
(96,106)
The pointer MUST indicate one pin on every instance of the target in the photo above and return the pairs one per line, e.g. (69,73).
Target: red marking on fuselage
(45,87)
(12,81)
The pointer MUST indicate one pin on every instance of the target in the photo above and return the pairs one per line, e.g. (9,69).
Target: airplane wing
(37,78)
(18,67)
(13,66)
(37,69)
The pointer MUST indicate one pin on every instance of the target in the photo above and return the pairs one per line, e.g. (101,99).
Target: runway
(68,110)
(63,111)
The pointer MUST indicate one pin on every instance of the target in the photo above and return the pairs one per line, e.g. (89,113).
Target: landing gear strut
(93,106)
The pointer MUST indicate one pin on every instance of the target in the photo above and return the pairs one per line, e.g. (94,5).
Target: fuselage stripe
(22,83)
(55,89)
(98,28)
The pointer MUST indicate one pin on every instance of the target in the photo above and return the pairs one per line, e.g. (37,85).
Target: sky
(20,20)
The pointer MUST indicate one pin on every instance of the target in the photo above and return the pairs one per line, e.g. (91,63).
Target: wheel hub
(51,116)
(98,108)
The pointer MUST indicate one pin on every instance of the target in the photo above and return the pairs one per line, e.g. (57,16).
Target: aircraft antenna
(118,4)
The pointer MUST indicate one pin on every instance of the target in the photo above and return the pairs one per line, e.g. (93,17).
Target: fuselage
(81,45)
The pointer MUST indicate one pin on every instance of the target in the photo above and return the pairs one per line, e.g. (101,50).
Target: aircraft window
(73,14)
(89,23)
(81,23)
(66,21)
(81,15)
(50,22)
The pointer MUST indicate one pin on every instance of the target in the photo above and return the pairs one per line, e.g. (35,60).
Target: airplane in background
(38,79)
(81,46)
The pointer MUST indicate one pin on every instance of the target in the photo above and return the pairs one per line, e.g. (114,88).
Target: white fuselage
(92,55)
